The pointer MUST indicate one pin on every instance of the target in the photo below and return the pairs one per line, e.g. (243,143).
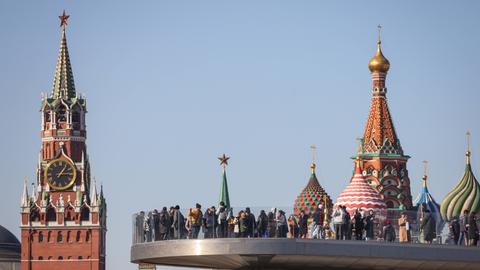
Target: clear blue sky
(173,84)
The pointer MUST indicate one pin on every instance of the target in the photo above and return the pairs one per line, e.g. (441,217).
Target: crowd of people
(221,222)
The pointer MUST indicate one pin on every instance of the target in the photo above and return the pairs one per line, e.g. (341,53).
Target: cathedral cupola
(379,63)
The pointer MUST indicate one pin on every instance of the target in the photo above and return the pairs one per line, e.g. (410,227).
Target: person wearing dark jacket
(272,223)
(464,228)
(318,222)
(389,234)
(347,223)
(250,222)
(369,225)
(163,225)
(472,230)
(454,228)
(428,226)
(262,223)
(358,222)
(303,225)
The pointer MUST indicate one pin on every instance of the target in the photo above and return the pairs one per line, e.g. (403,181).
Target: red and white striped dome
(360,195)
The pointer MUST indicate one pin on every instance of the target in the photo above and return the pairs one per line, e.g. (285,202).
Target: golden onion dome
(379,63)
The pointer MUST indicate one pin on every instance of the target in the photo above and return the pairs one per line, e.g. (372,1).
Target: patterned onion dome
(465,195)
(425,201)
(360,195)
(311,196)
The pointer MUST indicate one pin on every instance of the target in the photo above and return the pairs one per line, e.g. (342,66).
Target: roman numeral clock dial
(60,174)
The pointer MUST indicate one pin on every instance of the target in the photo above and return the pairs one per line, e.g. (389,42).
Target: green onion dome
(312,196)
(465,195)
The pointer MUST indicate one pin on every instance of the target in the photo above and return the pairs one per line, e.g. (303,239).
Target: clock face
(60,174)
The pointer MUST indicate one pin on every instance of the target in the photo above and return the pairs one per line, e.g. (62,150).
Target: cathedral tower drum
(383,162)
(63,221)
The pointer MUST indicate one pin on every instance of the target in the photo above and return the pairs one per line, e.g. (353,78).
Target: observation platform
(282,253)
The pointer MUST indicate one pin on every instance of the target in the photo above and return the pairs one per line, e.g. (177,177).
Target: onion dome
(360,195)
(425,201)
(312,196)
(464,196)
(379,63)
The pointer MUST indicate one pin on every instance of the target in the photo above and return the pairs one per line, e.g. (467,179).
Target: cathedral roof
(464,196)
(6,237)
(311,196)
(360,195)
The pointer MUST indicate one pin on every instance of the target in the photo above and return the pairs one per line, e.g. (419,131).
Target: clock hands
(61,172)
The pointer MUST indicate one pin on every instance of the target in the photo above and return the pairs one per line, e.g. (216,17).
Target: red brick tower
(63,222)
(383,161)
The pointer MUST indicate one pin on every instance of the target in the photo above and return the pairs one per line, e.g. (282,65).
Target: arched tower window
(69,214)
(34,214)
(390,204)
(49,236)
(85,214)
(51,214)
(61,114)
(40,237)
(69,236)
(78,238)
(60,258)
(87,237)
(40,258)
(76,117)
(59,237)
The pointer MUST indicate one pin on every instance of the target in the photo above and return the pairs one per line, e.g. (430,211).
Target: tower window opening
(49,236)
(62,114)
(69,236)
(85,214)
(60,257)
(87,237)
(59,237)
(51,214)
(40,237)
(78,236)
(80,257)
(40,258)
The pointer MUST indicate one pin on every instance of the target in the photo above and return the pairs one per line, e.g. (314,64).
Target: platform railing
(238,222)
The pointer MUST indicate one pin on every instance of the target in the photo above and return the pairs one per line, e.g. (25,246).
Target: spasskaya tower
(63,220)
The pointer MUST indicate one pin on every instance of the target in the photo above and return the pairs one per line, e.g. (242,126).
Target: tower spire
(63,83)
(94,197)
(224,195)
(424,178)
(313,166)
(468,153)
(24,201)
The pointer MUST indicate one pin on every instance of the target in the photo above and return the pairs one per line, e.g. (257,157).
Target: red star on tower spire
(63,19)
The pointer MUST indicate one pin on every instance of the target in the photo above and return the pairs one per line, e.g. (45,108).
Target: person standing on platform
(208,223)
(196,217)
(369,226)
(250,222)
(402,228)
(317,222)
(338,222)
(282,226)
(347,229)
(454,228)
(303,224)
(428,227)
(464,228)
(262,224)
(164,224)
(222,215)
(178,223)
(359,225)
(272,223)
(472,230)
(389,234)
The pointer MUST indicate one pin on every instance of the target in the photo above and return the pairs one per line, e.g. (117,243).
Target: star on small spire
(63,19)
(223,160)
